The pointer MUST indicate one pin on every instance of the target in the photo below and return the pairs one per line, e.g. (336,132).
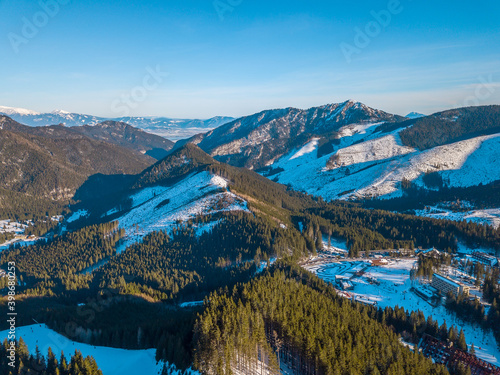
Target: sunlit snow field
(111,361)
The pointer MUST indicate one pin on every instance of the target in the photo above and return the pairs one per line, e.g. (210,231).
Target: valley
(176,248)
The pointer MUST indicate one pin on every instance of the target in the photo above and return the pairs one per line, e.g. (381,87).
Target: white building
(446,285)
(484,258)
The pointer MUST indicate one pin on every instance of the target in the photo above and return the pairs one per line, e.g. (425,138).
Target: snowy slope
(307,149)
(381,148)
(161,208)
(489,216)
(111,361)
(369,163)
(352,133)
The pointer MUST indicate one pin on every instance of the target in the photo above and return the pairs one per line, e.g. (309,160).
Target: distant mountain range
(173,129)
(414,115)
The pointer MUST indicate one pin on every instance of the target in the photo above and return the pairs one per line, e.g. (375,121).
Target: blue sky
(237,57)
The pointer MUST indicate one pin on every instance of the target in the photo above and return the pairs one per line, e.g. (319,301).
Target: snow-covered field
(111,361)
(7,226)
(394,290)
(489,216)
(369,163)
(162,208)
(337,246)
(17,229)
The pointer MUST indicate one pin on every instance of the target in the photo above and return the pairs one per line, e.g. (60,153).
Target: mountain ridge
(125,135)
(171,128)
(384,161)
(51,162)
(255,141)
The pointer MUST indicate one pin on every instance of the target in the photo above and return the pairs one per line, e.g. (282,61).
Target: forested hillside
(59,261)
(415,197)
(174,167)
(122,134)
(41,168)
(19,206)
(376,229)
(282,317)
(451,126)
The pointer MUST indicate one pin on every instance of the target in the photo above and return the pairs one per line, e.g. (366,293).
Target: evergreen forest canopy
(289,316)
(448,126)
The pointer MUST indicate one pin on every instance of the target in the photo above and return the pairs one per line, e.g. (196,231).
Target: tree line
(26,363)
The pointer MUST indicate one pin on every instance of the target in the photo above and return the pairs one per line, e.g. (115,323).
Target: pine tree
(461,344)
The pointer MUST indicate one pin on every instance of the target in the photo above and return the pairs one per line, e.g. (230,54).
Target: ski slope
(162,208)
(111,361)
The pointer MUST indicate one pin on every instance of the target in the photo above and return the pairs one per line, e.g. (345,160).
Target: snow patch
(110,360)
(77,215)
(307,149)
(162,208)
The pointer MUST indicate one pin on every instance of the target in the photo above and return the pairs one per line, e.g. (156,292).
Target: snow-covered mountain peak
(414,115)
(60,112)
(17,111)
(169,128)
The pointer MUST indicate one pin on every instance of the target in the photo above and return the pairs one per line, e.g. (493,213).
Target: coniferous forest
(287,316)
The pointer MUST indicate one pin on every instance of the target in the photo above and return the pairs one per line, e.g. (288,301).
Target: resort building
(446,285)
(484,258)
